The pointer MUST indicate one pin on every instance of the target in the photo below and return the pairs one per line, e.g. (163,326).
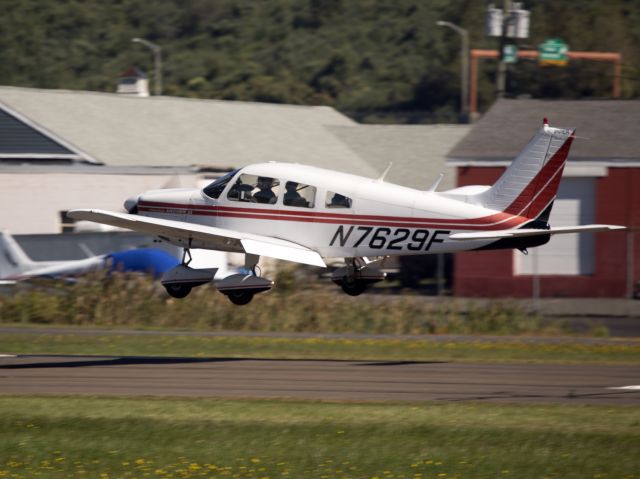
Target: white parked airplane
(305,214)
(15,264)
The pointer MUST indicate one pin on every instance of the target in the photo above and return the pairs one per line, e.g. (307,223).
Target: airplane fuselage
(374,218)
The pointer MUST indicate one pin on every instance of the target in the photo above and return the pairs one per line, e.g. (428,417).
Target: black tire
(354,288)
(178,290)
(240,298)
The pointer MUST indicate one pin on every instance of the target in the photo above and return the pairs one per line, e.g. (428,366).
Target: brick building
(601,184)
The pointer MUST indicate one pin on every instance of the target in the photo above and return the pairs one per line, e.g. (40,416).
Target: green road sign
(553,51)
(510,54)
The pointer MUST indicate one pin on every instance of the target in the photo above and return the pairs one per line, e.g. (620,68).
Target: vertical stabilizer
(13,260)
(530,184)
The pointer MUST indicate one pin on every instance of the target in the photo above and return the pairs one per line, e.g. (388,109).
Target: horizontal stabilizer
(208,237)
(518,233)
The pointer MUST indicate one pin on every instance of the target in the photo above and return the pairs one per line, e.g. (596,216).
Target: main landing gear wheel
(353,288)
(178,290)
(240,298)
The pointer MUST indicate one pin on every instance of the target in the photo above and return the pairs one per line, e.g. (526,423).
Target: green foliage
(180,438)
(375,60)
(130,300)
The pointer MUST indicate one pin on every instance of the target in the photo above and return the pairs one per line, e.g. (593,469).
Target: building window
(67,225)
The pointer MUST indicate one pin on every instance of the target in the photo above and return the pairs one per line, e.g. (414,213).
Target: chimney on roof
(133,82)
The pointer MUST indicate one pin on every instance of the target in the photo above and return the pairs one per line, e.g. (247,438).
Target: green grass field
(503,350)
(170,438)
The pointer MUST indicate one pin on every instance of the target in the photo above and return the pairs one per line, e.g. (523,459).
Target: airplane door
(299,213)
(337,228)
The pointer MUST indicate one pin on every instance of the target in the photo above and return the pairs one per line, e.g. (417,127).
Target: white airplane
(15,264)
(306,214)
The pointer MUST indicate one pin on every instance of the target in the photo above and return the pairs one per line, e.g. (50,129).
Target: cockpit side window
(215,189)
(299,195)
(336,200)
(255,189)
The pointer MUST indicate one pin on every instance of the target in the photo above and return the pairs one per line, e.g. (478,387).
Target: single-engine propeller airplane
(305,214)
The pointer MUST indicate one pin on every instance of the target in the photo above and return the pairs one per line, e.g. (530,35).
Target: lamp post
(157,62)
(464,67)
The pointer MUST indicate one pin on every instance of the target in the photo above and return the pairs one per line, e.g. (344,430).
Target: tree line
(375,60)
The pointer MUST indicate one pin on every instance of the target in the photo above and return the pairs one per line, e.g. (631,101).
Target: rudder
(13,260)
(530,184)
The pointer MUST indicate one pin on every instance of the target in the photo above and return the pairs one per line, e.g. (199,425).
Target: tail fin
(13,260)
(529,185)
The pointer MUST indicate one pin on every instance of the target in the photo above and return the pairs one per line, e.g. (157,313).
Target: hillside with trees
(374,60)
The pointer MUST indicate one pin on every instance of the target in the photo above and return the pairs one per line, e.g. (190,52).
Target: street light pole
(464,67)
(157,62)
(501,78)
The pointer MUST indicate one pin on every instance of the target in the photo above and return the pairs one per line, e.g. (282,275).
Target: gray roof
(418,152)
(612,129)
(120,130)
(21,139)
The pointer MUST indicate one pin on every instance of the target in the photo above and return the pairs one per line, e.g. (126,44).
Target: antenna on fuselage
(437,182)
(384,173)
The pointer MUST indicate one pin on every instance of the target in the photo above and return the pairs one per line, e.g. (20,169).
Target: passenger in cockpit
(265,194)
(291,196)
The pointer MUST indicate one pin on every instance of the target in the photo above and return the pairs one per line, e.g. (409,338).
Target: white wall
(31,203)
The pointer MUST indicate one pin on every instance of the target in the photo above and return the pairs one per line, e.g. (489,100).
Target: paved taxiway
(327,380)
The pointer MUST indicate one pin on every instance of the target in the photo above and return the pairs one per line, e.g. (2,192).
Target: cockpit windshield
(217,187)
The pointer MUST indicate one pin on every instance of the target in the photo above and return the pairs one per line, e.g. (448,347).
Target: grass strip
(178,438)
(509,350)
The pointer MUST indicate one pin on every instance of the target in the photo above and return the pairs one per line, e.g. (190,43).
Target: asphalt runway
(322,380)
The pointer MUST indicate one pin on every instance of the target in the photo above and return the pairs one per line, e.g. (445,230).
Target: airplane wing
(206,236)
(518,233)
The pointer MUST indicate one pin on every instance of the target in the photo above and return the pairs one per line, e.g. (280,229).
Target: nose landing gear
(241,288)
(177,290)
(180,280)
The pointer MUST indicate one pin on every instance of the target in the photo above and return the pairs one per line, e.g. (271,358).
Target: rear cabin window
(336,200)
(255,189)
(215,189)
(299,195)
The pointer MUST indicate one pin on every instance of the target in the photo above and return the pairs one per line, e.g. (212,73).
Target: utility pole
(157,62)
(501,78)
(509,23)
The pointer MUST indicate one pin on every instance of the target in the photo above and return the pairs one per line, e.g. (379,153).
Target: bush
(125,300)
